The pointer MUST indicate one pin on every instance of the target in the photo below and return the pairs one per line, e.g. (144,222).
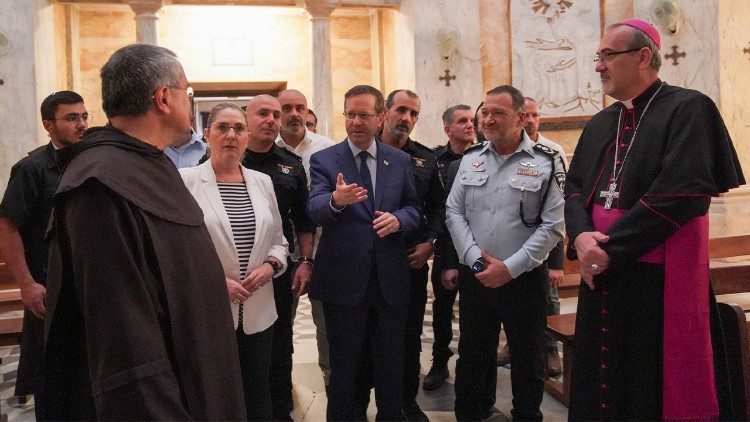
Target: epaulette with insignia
(291,154)
(545,150)
(474,147)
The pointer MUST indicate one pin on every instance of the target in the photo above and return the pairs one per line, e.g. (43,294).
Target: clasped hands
(240,291)
(594,260)
(495,273)
(345,194)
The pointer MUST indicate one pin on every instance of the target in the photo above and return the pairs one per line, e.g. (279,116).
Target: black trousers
(413,333)
(280,378)
(442,312)
(255,351)
(521,306)
(374,325)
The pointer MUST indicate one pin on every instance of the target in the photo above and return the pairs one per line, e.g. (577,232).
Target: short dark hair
(370,90)
(50,104)
(132,74)
(516,96)
(389,100)
(448,113)
(480,135)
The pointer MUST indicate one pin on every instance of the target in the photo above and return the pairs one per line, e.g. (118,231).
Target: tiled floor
(309,391)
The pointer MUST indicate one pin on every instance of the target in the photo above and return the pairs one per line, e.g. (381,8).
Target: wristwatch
(305,260)
(275,265)
(479,265)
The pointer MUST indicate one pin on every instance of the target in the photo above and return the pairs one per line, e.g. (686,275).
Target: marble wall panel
(60,51)
(697,38)
(425,19)
(552,51)
(28,75)
(494,21)
(734,63)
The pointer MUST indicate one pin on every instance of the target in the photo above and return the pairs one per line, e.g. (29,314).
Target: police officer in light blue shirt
(187,153)
(504,214)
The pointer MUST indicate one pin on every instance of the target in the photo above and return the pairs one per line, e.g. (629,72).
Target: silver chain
(615,173)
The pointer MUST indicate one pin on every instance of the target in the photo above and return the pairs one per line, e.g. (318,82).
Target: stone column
(319,12)
(27,76)
(146,20)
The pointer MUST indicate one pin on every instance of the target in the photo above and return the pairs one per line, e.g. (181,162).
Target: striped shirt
(242,219)
(241,215)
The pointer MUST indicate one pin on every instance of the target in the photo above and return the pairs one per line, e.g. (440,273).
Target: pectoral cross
(610,195)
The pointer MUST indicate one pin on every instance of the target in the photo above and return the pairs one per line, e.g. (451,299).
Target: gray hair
(448,113)
(639,39)
(218,108)
(132,74)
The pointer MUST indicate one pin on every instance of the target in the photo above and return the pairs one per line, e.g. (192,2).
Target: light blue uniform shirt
(189,154)
(482,210)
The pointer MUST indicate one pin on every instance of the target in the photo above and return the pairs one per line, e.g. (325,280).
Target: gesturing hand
(385,223)
(347,194)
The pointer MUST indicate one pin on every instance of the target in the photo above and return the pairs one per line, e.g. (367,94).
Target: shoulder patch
(545,150)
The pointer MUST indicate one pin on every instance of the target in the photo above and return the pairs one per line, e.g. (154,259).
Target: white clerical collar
(628,103)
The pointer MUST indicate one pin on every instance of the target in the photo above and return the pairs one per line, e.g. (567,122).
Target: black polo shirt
(290,185)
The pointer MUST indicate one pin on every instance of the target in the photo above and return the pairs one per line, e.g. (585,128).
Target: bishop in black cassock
(647,343)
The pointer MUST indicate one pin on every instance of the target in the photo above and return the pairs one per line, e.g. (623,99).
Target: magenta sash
(689,390)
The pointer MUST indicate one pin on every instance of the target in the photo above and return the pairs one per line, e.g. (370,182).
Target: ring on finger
(594,267)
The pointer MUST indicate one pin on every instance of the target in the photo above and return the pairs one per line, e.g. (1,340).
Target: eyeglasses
(189,90)
(607,56)
(74,118)
(362,116)
(224,128)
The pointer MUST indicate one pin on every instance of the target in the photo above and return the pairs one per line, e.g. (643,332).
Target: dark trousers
(281,351)
(521,306)
(255,354)
(413,333)
(442,313)
(370,324)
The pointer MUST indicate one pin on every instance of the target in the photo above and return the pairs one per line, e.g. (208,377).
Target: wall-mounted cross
(746,50)
(448,77)
(675,55)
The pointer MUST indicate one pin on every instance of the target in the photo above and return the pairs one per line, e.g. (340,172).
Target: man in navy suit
(362,194)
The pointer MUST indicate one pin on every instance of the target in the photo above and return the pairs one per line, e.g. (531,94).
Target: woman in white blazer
(242,216)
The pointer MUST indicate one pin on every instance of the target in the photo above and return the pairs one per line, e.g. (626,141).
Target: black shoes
(412,412)
(434,379)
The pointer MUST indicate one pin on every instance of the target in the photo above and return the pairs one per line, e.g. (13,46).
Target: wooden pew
(730,284)
(735,325)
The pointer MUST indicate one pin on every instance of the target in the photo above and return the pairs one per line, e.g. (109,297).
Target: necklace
(612,193)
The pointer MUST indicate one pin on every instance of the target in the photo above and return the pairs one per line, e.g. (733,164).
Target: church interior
(447,51)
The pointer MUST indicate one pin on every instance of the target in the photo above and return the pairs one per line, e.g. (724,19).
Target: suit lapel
(211,190)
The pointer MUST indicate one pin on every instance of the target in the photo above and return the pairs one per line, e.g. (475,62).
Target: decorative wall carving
(553,43)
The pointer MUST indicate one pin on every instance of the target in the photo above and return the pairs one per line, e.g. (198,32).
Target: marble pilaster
(28,75)
(319,13)
(419,63)
(146,20)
